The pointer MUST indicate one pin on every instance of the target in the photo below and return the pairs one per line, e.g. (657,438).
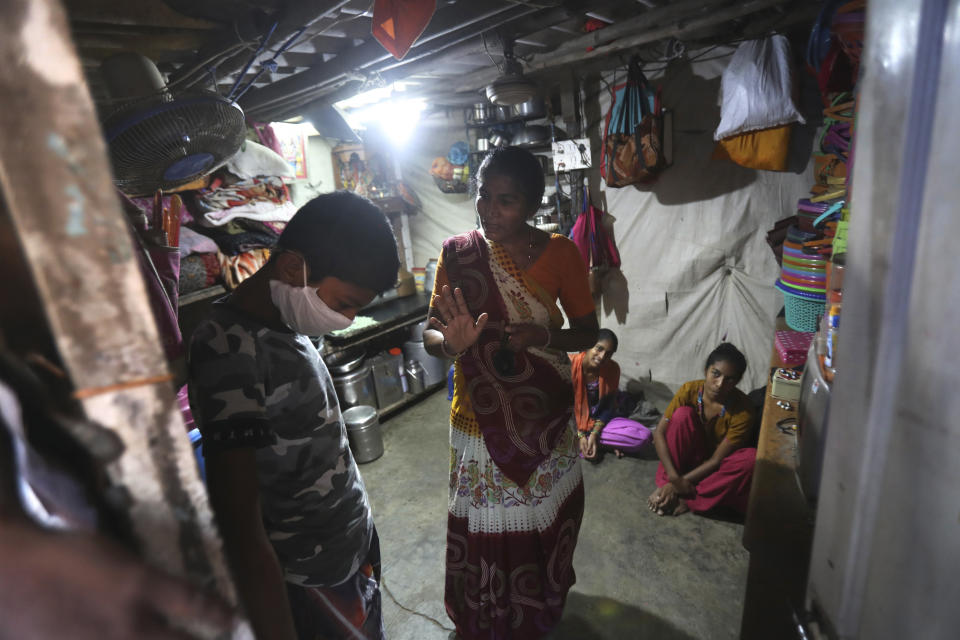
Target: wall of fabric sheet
(696,266)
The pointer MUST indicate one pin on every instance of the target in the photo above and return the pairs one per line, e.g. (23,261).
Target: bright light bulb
(385,108)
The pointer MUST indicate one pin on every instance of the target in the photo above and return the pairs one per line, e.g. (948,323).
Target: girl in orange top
(596,381)
(702,441)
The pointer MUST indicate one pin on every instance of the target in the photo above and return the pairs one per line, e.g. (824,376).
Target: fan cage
(162,143)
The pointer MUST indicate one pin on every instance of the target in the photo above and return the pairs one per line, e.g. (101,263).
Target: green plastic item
(840,239)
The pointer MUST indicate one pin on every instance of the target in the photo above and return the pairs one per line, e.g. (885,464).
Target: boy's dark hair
(519,165)
(609,336)
(726,352)
(344,235)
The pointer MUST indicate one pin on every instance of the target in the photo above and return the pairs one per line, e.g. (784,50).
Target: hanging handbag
(633,135)
(596,246)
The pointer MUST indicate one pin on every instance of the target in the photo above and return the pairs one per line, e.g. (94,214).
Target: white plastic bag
(756,91)
(256,160)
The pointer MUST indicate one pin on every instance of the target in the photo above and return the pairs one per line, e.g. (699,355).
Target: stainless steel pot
(533,108)
(434,369)
(482,112)
(387,381)
(483,145)
(356,388)
(499,138)
(345,361)
(504,113)
(364,433)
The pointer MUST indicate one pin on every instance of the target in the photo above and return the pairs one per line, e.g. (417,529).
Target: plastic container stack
(803,281)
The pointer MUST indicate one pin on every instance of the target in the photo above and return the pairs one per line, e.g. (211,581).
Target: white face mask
(303,310)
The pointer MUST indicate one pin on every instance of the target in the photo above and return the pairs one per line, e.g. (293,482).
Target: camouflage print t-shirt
(251,386)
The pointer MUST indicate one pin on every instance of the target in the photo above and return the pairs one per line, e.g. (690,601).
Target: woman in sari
(598,402)
(516,490)
(703,441)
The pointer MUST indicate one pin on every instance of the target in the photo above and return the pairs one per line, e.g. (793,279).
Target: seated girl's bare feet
(668,503)
(618,453)
(653,501)
(681,508)
(663,500)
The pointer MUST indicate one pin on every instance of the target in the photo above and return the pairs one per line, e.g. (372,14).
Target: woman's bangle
(446,352)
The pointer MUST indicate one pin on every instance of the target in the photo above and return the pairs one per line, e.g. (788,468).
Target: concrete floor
(638,575)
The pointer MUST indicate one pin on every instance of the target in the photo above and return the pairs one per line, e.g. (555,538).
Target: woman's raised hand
(453,319)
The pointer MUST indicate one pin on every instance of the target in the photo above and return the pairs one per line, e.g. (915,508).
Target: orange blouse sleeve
(686,396)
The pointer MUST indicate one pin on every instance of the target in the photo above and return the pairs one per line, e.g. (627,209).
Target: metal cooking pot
(504,113)
(356,388)
(483,145)
(499,138)
(345,361)
(434,369)
(364,433)
(533,108)
(482,112)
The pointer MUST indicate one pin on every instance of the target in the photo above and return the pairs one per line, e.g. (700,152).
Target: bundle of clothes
(228,227)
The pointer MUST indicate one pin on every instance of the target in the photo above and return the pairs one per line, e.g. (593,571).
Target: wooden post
(56,185)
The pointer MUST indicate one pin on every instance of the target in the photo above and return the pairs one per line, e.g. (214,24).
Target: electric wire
(386,589)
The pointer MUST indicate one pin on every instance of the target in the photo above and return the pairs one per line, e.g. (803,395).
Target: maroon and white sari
(516,490)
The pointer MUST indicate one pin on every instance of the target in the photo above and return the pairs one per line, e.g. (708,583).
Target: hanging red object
(398,23)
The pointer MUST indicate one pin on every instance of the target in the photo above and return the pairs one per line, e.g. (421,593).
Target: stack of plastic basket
(803,281)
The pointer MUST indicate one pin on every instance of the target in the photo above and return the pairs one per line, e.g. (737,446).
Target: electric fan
(511,87)
(159,139)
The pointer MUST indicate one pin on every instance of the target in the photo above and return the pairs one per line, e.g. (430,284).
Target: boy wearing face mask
(283,484)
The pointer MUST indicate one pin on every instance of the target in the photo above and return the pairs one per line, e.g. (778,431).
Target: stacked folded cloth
(234,227)
(262,199)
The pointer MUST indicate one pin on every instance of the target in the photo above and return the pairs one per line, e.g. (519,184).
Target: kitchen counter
(389,316)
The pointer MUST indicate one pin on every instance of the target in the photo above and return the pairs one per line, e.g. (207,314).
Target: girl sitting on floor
(701,441)
(597,402)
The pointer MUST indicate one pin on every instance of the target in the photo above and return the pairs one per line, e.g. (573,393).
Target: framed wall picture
(293,145)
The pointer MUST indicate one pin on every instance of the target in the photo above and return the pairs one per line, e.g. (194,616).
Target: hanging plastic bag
(756,89)
(764,149)
(633,134)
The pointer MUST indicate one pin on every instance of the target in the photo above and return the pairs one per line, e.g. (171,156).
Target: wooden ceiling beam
(138,12)
(247,28)
(447,25)
(677,19)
